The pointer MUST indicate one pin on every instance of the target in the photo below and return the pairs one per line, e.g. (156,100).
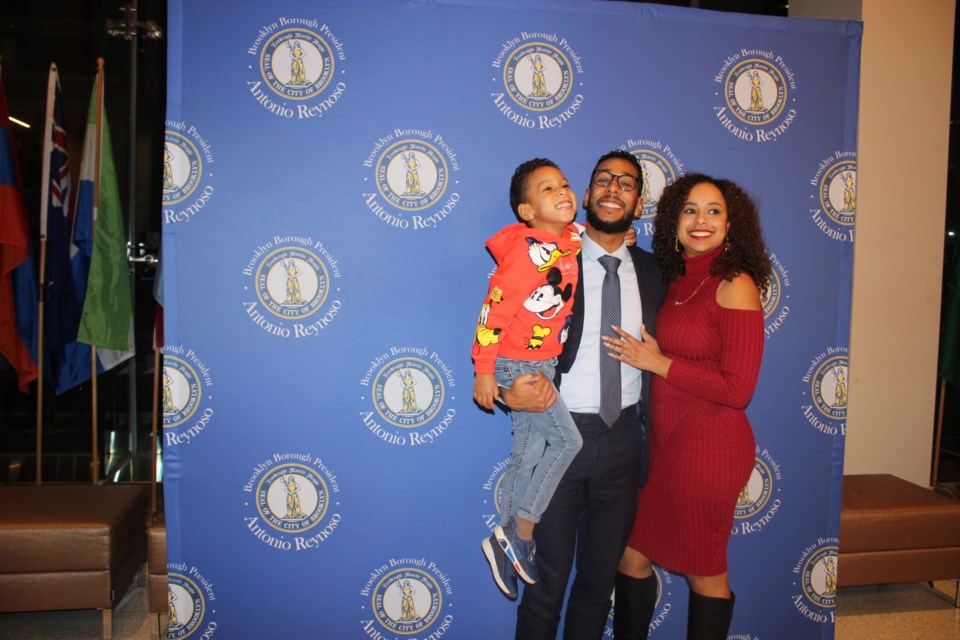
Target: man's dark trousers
(593,507)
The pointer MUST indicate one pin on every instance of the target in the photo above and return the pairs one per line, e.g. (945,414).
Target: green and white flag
(106,321)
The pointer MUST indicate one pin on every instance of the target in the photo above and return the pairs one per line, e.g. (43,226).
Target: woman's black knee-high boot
(634,601)
(709,618)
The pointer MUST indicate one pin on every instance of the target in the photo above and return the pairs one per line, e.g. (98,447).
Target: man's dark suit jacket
(652,290)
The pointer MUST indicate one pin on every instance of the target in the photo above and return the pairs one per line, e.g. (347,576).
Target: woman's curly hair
(745,252)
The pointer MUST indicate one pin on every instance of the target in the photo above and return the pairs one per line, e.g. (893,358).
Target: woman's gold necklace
(695,292)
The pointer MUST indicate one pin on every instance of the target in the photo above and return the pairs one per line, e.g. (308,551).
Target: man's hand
(532,392)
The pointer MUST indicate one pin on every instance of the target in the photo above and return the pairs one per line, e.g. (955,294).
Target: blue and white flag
(66,361)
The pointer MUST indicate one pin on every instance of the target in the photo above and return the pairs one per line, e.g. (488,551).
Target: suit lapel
(570,347)
(648,297)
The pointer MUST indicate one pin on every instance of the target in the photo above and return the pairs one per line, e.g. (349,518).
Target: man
(593,508)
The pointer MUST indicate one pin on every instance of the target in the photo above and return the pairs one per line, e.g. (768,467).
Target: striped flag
(106,319)
(14,255)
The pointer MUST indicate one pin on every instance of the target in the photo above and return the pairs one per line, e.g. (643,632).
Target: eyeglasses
(626,182)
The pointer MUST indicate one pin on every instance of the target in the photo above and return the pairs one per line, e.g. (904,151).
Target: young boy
(522,327)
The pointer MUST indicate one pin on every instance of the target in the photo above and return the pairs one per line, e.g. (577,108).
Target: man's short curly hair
(746,251)
(622,155)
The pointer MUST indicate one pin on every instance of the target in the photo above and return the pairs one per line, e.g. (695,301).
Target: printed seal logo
(188,595)
(411,175)
(292,279)
(660,167)
(186,156)
(755,86)
(775,308)
(828,376)
(406,597)
(411,169)
(817,581)
(755,91)
(662,608)
(183,404)
(835,181)
(292,282)
(758,501)
(492,488)
(536,87)
(830,387)
(537,76)
(407,389)
(292,495)
(408,392)
(296,61)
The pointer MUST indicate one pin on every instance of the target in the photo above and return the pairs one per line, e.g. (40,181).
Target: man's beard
(603,226)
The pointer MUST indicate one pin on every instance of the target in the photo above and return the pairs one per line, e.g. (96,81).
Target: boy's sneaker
(502,570)
(519,552)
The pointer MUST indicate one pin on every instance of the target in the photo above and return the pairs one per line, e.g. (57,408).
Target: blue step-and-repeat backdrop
(331,172)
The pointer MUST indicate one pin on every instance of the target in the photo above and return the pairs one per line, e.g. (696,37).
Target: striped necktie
(610,389)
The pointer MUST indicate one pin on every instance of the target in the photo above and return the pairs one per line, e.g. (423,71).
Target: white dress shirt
(580,387)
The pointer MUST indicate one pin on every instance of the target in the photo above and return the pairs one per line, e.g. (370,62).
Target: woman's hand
(641,354)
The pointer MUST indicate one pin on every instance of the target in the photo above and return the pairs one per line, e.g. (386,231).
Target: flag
(25,304)
(950,323)
(14,253)
(66,361)
(106,318)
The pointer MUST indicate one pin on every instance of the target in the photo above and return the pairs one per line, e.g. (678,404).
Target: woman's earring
(676,244)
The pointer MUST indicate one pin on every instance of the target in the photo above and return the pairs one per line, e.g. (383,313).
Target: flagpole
(43,257)
(936,451)
(153,439)
(94,471)
(44,204)
(133,439)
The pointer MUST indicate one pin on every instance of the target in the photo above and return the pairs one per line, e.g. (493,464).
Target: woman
(706,359)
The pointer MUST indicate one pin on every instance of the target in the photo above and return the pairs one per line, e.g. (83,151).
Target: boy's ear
(525,211)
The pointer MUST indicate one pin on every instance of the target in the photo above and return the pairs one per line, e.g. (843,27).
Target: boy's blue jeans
(544,445)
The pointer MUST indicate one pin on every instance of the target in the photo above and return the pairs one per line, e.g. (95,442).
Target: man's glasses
(626,182)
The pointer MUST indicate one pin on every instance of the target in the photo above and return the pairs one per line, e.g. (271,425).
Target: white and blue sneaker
(519,552)
(502,570)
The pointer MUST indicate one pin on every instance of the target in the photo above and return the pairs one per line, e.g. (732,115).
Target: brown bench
(893,531)
(66,547)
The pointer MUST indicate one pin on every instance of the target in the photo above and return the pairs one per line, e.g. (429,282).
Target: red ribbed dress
(702,446)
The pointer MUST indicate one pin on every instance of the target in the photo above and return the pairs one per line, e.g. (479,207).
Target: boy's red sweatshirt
(527,309)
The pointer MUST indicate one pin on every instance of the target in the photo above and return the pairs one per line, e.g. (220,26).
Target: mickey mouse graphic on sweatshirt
(526,313)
